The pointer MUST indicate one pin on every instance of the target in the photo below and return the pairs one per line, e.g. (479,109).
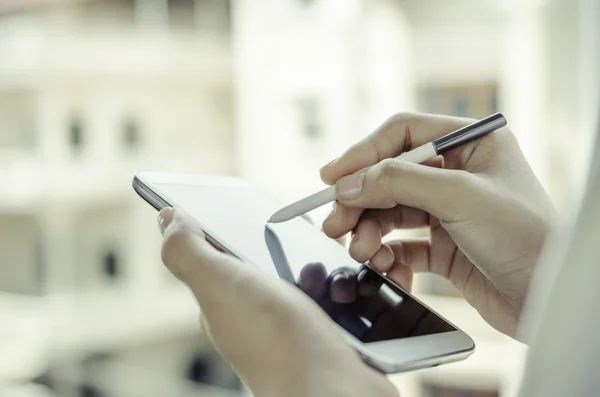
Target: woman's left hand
(276,338)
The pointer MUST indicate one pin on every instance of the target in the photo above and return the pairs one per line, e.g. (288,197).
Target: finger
(398,134)
(414,254)
(417,255)
(366,240)
(401,275)
(341,220)
(366,244)
(191,258)
(346,219)
(383,258)
(447,194)
(343,240)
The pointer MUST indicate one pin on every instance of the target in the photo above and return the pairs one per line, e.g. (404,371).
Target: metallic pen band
(469,132)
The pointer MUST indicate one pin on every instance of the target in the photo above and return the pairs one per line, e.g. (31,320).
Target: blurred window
(469,100)
(75,133)
(182,13)
(131,133)
(310,117)
(40,263)
(111,264)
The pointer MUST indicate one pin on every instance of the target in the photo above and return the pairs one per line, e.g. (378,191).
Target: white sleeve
(562,316)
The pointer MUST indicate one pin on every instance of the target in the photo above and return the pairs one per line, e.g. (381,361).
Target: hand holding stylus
(487,213)
(418,154)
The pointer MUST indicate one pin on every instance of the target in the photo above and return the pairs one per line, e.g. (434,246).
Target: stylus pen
(418,155)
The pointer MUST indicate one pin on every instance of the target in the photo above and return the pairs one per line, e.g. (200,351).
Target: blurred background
(269,90)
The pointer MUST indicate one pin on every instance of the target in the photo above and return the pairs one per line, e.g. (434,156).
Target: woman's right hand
(487,213)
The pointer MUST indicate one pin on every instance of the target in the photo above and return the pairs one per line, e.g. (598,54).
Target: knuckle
(390,170)
(387,170)
(387,176)
(400,118)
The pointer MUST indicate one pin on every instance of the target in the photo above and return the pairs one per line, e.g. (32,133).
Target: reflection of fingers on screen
(343,288)
(313,280)
(390,296)
(369,283)
(366,322)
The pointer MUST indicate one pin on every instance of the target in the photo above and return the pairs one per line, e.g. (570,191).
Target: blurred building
(93,90)
(90,92)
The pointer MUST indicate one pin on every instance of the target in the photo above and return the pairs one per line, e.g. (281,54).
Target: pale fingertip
(325,172)
(165,217)
(366,240)
(383,259)
(342,221)
(331,226)
(401,275)
(360,251)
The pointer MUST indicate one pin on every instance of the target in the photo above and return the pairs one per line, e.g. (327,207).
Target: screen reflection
(358,299)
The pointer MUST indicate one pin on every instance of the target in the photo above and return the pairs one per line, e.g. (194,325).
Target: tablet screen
(357,298)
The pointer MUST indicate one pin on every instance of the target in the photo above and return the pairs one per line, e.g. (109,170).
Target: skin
(487,213)
(488,218)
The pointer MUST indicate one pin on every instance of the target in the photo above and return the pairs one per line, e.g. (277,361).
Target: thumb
(190,257)
(446,194)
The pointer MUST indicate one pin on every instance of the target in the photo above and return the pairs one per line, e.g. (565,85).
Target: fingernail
(333,208)
(165,216)
(350,186)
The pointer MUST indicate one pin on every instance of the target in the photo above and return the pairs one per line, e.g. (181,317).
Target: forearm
(360,383)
